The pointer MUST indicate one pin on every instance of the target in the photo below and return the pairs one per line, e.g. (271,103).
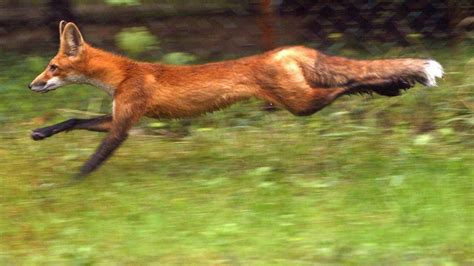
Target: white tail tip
(433,70)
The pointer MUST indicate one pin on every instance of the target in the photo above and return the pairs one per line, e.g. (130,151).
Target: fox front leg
(124,118)
(103,152)
(100,124)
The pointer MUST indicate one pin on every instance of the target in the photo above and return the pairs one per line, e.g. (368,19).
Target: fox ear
(71,40)
(62,24)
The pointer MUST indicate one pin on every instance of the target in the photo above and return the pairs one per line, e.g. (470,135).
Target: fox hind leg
(313,101)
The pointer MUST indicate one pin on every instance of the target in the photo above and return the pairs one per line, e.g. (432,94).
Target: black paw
(37,134)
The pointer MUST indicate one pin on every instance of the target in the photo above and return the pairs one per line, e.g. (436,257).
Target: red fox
(298,79)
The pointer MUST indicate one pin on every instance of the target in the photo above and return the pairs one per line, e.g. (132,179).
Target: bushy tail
(386,77)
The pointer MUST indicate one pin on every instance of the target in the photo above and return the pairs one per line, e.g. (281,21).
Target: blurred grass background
(368,180)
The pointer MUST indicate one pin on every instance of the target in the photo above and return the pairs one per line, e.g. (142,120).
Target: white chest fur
(103,86)
(94,82)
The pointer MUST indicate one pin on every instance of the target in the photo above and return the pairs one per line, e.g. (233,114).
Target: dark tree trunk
(266,22)
(58,10)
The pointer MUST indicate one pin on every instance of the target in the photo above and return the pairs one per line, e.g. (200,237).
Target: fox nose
(29,86)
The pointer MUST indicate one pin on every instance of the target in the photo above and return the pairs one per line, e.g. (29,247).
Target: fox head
(66,67)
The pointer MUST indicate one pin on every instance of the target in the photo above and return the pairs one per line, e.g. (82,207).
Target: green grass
(365,181)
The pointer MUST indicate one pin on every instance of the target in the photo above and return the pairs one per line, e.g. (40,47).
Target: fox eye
(53,67)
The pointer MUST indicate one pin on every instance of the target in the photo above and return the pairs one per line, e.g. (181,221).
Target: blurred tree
(266,21)
(58,10)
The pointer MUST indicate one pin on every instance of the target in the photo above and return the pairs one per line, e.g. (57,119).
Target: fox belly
(192,104)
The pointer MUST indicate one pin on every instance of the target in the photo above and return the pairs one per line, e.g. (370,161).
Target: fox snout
(36,84)
(45,86)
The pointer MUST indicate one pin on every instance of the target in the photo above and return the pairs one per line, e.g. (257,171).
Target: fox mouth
(44,89)
(49,86)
